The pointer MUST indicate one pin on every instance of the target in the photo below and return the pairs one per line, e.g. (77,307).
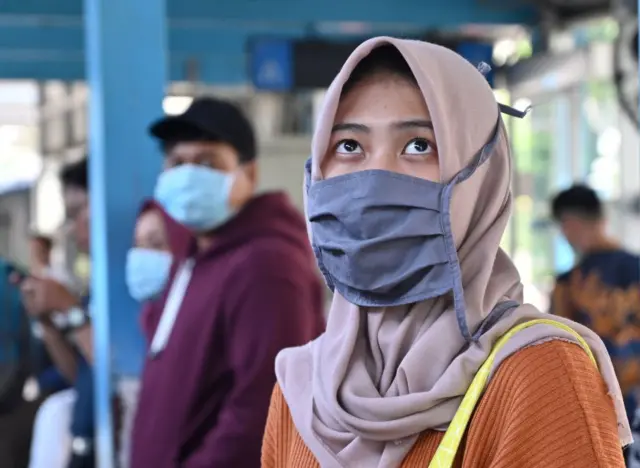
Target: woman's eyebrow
(418,123)
(354,127)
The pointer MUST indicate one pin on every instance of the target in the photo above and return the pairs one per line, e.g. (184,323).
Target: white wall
(281,165)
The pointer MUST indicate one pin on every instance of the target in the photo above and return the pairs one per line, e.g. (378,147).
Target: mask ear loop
(484,68)
(519,114)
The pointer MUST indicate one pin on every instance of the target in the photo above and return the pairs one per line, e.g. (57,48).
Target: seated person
(69,341)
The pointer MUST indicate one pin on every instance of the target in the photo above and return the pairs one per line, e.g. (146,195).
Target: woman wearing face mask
(407,198)
(158,240)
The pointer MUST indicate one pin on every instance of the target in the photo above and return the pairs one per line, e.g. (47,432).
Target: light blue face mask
(384,239)
(147,272)
(195,196)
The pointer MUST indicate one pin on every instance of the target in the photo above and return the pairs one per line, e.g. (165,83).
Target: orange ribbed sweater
(546,407)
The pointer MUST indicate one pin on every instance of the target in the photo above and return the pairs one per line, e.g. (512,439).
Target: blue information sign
(271,64)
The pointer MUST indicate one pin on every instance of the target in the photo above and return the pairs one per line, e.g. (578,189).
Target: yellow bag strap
(446,453)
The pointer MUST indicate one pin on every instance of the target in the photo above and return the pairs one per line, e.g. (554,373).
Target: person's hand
(41,296)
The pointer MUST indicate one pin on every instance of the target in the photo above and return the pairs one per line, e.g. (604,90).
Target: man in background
(68,338)
(245,288)
(602,291)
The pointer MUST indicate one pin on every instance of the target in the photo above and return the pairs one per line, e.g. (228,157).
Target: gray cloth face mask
(380,237)
(384,239)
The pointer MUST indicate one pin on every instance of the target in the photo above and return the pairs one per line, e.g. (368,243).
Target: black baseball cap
(209,119)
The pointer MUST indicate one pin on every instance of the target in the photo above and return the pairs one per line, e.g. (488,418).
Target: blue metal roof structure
(42,39)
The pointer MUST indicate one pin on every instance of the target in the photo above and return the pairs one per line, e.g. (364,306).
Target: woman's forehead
(148,222)
(459,100)
(385,98)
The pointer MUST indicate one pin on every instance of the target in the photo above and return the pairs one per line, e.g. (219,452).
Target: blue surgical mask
(147,272)
(195,196)
(384,239)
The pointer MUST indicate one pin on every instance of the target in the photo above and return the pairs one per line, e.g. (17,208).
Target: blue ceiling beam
(214,69)
(41,39)
(181,39)
(430,13)
(56,52)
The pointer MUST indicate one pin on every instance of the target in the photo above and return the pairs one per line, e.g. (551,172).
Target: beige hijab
(361,393)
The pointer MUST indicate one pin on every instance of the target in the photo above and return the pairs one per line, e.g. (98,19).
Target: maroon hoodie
(205,397)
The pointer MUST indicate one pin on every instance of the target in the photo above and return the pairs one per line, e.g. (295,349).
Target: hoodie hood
(180,240)
(178,236)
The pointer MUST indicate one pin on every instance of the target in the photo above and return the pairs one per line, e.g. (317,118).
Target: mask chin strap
(484,68)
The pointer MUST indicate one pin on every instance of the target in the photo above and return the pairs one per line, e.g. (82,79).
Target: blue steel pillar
(126,69)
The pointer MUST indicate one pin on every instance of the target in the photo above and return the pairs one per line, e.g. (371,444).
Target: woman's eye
(418,146)
(349,147)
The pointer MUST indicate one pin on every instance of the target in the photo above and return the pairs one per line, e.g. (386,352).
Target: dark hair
(578,200)
(385,59)
(76,175)
(45,241)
